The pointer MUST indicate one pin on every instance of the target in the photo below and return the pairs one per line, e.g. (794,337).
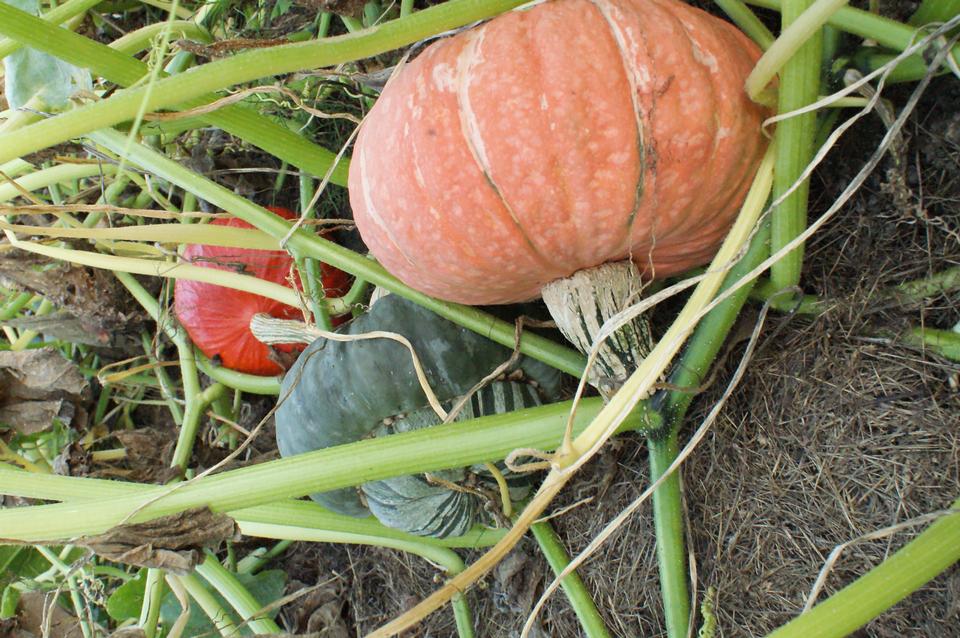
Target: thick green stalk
(142,39)
(689,372)
(254,384)
(936,284)
(306,244)
(196,402)
(573,586)
(764,290)
(260,520)
(449,446)
(886,32)
(208,603)
(15,305)
(931,11)
(945,343)
(124,70)
(748,21)
(153,593)
(799,86)
(703,347)
(668,523)
(233,591)
(55,175)
(243,67)
(310,274)
(916,563)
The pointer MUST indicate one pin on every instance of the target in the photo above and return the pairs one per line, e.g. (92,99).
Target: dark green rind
(339,392)
(418,506)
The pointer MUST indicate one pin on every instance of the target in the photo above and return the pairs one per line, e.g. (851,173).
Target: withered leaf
(37,386)
(30,417)
(63,326)
(39,374)
(36,615)
(170,542)
(93,296)
(147,459)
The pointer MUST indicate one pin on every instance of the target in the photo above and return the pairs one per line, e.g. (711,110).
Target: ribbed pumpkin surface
(554,139)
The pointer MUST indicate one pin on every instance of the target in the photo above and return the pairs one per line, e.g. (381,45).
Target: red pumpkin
(555,139)
(218,319)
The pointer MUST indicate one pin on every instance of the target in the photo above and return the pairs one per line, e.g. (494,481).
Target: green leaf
(27,563)
(127,599)
(8,602)
(7,554)
(280,8)
(266,587)
(30,73)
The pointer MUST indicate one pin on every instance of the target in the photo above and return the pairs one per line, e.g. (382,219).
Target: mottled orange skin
(555,139)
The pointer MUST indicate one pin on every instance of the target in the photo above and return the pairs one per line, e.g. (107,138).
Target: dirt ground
(838,429)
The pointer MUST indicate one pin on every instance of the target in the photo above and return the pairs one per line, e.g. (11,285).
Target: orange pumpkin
(555,139)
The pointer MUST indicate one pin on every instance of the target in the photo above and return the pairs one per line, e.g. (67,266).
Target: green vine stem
(916,563)
(310,273)
(703,347)
(945,343)
(793,140)
(450,446)
(748,21)
(15,305)
(182,89)
(267,386)
(153,592)
(931,11)
(259,520)
(936,284)
(909,292)
(233,591)
(802,30)
(219,616)
(689,372)
(886,32)
(71,581)
(136,41)
(60,174)
(573,586)
(668,520)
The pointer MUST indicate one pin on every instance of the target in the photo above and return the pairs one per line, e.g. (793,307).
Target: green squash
(340,392)
(419,504)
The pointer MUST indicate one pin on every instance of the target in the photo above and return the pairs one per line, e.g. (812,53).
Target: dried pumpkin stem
(584,302)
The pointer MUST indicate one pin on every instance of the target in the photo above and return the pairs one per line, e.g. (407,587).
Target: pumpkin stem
(272,331)
(583,303)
